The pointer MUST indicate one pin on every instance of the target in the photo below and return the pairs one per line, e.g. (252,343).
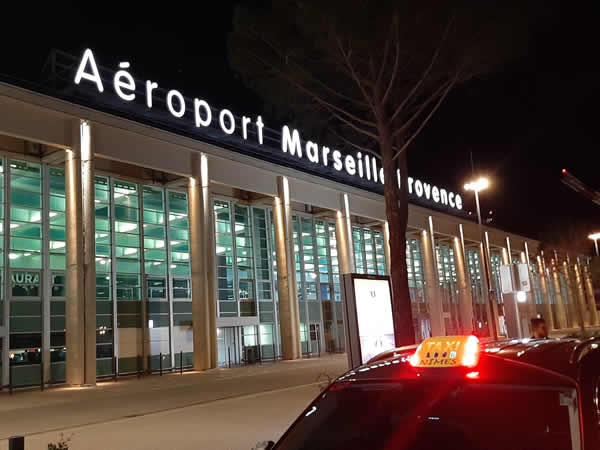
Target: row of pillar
(581,310)
(81,262)
(81,277)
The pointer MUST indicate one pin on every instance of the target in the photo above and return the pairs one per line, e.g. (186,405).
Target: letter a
(88,56)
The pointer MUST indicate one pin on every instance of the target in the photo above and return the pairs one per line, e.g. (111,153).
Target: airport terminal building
(144,229)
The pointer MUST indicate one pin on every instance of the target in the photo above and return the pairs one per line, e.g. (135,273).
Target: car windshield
(410,415)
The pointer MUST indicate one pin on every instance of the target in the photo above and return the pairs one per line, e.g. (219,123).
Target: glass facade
(369,254)
(416,284)
(480,307)
(26,232)
(143,276)
(180,284)
(236,294)
(318,281)
(449,286)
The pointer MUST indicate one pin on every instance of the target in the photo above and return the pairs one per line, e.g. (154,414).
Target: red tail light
(471,353)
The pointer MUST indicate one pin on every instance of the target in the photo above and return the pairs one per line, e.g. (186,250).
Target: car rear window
(419,415)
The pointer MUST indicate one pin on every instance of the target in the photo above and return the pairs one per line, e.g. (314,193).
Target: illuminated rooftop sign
(198,112)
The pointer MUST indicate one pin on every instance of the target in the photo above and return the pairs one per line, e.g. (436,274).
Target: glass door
(315,338)
(25,339)
(229,346)
(158,338)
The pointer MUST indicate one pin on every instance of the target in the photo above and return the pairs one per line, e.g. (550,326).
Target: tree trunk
(396,209)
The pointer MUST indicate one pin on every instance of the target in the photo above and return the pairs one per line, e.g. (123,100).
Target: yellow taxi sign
(447,351)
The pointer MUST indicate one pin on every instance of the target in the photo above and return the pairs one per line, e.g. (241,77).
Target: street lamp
(478,186)
(594,237)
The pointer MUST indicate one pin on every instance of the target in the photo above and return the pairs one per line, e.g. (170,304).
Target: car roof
(559,355)
(506,359)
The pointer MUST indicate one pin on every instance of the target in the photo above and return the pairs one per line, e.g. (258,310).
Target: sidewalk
(33,412)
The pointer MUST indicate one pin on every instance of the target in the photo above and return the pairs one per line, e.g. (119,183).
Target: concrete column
(591,300)
(547,306)
(561,313)
(432,284)
(573,309)
(530,295)
(386,246)
(81,258)
(343,235)
(495,316)
(486,294)
(580,293)
(198,250)
(211,275)
(289,314)
(465,297)
(505,257)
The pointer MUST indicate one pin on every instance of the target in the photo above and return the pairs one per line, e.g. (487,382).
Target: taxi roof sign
(446,352)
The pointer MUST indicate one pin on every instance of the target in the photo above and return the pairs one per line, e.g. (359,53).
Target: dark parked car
(457,393)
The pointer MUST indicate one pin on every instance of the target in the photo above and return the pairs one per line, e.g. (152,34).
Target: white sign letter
(291,142)
(231,128)
(444,197)
(173,93)
(245,122)
(418,188)
(435,193)
(350,164)
(312,151)
(88,56)
(150,86)
(458,201)
(337,160)
(427,188)
(124,80)
(199,120)
(451,199)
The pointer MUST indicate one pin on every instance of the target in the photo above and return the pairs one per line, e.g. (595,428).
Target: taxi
(458,393)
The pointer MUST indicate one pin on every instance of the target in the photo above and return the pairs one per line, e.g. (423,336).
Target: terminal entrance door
(158,337)
(237,345)
(229,343)
(315,338)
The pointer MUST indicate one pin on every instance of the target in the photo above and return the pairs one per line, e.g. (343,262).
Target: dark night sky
(523,123)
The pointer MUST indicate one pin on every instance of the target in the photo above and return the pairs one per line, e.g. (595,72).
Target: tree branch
(346,57)
(352,144)
(335,110)
(433,110)
(419,83)
(406,125)
(300,67)
(395,67)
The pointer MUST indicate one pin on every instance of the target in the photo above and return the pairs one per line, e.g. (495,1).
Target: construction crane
(581,188)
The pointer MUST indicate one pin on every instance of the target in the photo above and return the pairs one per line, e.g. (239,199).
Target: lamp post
(478,186)
(594,237)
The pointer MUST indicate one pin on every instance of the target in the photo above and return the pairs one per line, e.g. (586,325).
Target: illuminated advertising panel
(374,314)
(368,317)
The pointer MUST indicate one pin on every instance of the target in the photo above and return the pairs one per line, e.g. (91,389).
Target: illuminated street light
(478,186)
(594,237)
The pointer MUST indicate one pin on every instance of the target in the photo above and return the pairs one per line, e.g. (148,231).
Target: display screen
(374,314)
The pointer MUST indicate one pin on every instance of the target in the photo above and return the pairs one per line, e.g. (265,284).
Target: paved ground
(218,409)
